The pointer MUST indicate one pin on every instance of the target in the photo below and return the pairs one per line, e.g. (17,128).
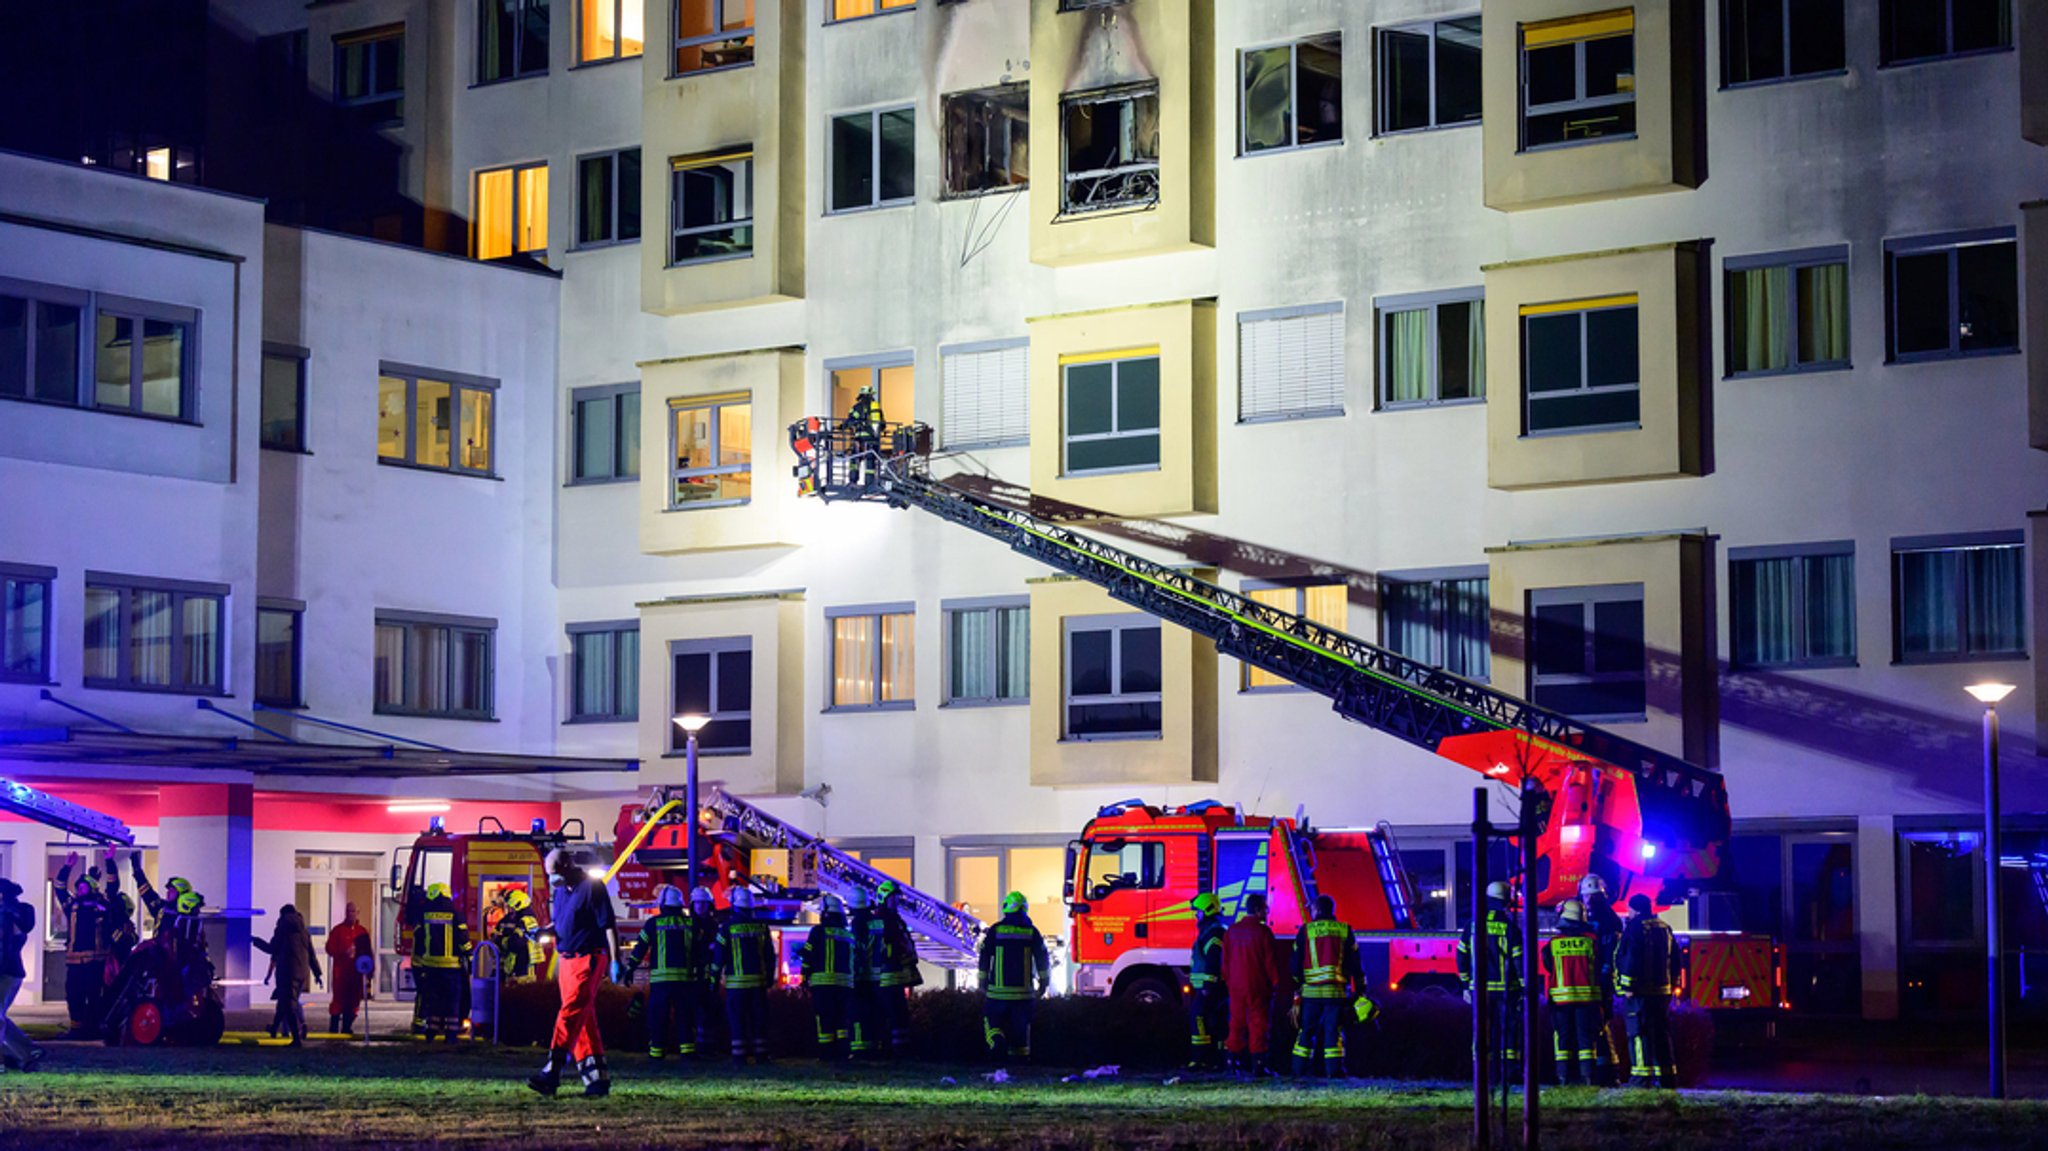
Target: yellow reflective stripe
(1627,301)
(707,401)
(682,162)
(1569,29)
(1102,357)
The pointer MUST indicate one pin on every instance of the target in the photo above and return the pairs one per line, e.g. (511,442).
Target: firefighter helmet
(518,900)
(188,903)
(128,903)
(1497,890)
(668,895)
(741,899)
(1205,903)
(700,896)
(437,891)
(177,885)
(1591,886)
(858,900)
(887,890)
(1571,911)
(1365,1009)
(1014,903)
(832,905)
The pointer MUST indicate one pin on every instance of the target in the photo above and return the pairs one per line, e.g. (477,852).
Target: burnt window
(1111,148)
(987,140)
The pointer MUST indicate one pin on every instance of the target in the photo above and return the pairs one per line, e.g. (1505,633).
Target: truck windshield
(1116,866)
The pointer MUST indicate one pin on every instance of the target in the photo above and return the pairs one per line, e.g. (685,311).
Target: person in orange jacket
(1253,975)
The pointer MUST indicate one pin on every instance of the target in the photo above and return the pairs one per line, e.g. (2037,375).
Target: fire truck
(481,868)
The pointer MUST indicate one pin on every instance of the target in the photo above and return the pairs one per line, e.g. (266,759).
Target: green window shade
(1089,399)
(1823,304)
(1408,356)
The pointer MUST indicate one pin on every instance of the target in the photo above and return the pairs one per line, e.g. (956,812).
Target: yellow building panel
(772,624)
(718,435)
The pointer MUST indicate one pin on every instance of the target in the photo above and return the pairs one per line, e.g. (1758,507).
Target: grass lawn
(402,1095)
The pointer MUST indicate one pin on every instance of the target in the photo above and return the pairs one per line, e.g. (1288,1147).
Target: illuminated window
(1110,148)
(891,376)
(712,34)
(711,208)
(1291,95)
(1109,413)
(856,9)
(712,443)
(154,635)
(441,667)
(512,212)
(609,30)
(441,424)
(1113,677)
(1581,369)
(608,198)
(156,164)
(1579,79)
(1325,604)
(369,74)
(714,678)
(511,39)
(142,359)
(872,657)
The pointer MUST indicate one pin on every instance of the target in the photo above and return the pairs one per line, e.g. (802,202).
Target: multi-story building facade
(1669,364)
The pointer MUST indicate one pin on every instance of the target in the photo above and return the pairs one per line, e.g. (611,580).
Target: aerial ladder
(1641,819)
(20,799)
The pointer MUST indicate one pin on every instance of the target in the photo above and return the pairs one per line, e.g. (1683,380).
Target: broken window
(987,140)
(1112,148)
(1293,95)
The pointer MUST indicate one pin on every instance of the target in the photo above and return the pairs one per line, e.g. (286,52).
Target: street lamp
(691,725)
(1989,694)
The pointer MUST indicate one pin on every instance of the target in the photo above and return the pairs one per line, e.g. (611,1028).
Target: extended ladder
(42,807)
(1653,815)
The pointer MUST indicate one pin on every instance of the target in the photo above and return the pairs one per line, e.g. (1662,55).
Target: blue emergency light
(436,825)
(540,826)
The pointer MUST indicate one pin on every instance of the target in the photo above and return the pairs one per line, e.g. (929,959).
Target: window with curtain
(1788,313)
(711,440)
(1290,363)
(1952,295)
(511,212)
(1959,599)
(713,678)
(1291,95)
(1109,413)
(604,660)
(1113,678)
(1914,30)
(1326,604)
(441,424)
(986,394)
(1429,75)
(439,667)
(1792,607)
(873,658)
(605,434)
(511,39)
(608,198)
(1432,349)
(1579,79)
(154,635)
(1587,657)
(610,30)
(988,654)
(25,623)
(1443,621)
(1581,367)
(1766,40)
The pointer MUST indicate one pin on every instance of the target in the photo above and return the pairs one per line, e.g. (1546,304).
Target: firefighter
(1253,977)
(517,937)
(1208,999)
(1015,973)
(183,929)
(826,960)
(664,947)
(1606,928)
(586,950)
(440,955)
(1571,961)
(745,955)
(85,951)
(864,421)
(17,921)
(888,968)
(1499,964)
(700,990)
(1329,976)
(1646,965)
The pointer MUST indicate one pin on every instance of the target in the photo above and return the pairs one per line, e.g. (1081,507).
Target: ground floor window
(979,874)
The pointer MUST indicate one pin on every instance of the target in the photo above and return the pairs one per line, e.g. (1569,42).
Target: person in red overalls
(1253,975)
(586,949)
(347,942)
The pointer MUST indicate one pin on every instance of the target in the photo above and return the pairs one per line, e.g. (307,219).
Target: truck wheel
(1151,990)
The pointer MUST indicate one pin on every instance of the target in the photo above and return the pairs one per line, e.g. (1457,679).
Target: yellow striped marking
(1570,29)
(1104,357)
(1628,301)
(683,162)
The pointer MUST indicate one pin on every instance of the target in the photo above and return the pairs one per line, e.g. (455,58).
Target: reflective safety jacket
(1326,959)
(1012,955)
(84,925)
(1606,925)
(888,956)
(1205,962)
(664,948)
(439,940)
(1500,957)
(1572,962)
(746,955)
(170,922)
(518,950)
(826,958)
(1646,962)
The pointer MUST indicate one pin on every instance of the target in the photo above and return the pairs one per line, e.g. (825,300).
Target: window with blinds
(986,394)
(1290,363)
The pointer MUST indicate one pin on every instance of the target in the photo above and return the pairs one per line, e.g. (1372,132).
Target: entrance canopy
(63,745)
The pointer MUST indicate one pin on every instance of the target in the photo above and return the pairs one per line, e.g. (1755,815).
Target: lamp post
(1989,694)
(691,725)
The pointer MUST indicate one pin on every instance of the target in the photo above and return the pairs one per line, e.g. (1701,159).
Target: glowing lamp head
(692,724)
(1989,694)
(540,826)
(437,825)
(1649,851)
(1573,832)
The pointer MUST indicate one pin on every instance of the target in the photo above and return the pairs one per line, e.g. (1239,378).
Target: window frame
(296,609)
(518,209)
(951,608)
(628,710)
(1580,308)
(1792,261)
(874,118)
(875,612)
(874,364)
(985,97)
(616,393)
(1381,72)
(1276,315)
(1785,42)
(1111,94)
(517,50)
(298,357)
(680,404)
(36,296)
(1384,308)
(458,383)
(680,164)
(1951,244)
(715,647)
(1884,38)
(1300,585)
(678,41)
(1115,360)
(947,352)
(1801,552)
(610,157)
(893,6)
(1580,101)
(1586,596)
(1334,38)
(1955,542)
(1116,623)
(448,626)
(579,60)
(139,312)
(1440,613)
(375,40)
(181,592)
(46,578)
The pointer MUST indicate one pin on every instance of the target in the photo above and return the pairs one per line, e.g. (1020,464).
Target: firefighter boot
(549,1078)
(597,1082)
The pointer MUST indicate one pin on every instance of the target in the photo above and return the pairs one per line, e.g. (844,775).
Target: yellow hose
(640,838)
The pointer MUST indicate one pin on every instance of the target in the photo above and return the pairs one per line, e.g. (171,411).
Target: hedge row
(1418,1036)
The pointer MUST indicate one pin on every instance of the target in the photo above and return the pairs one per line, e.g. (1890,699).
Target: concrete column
(205,832)
(1877,914)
